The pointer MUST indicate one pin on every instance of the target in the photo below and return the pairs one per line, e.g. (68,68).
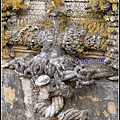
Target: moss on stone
(57,2)
(64,22)
(14,4)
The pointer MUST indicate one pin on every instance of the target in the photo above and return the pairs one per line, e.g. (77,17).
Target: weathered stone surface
(59,31)
(101,99)
(12,96)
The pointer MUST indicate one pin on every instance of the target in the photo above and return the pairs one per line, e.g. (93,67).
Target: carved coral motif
(52,70)
(44,70)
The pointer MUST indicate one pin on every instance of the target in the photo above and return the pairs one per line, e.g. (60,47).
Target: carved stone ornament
(61,39)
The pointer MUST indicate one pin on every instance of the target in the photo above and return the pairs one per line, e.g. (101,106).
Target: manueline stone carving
(52,70)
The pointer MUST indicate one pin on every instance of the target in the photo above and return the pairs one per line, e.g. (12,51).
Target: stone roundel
(42,80)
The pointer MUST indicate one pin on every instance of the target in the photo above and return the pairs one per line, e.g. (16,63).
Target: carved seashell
(42,80)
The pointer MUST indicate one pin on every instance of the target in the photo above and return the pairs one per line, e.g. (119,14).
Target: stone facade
(41,41)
